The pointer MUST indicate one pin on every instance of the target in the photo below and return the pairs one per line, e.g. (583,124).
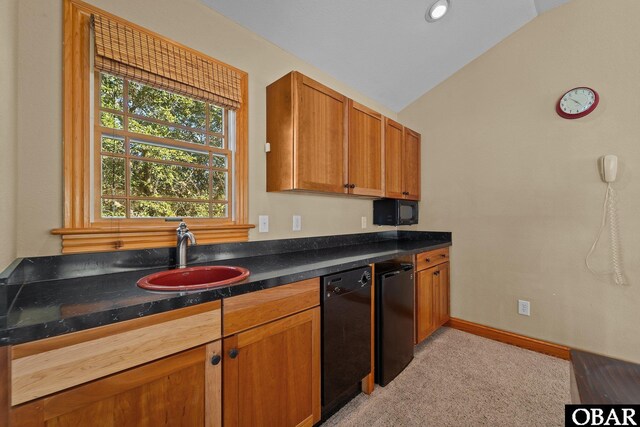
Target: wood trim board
(48,344)
(213,385)
(5,392)
(511,338)
(368,383)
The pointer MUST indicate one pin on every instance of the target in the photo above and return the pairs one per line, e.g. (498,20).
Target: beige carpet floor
(459,379)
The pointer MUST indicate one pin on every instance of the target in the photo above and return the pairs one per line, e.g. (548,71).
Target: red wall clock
(578,102)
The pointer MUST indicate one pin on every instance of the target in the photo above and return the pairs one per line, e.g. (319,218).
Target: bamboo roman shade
(128,52)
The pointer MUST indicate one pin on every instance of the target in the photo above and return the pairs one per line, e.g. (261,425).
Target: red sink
(188,279)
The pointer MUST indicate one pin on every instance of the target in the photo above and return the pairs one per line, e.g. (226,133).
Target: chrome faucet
(181,247)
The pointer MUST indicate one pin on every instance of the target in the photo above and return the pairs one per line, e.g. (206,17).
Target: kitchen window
(159,154)
(153,130)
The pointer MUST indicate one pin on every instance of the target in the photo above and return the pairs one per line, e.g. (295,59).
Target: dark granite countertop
(52,296)
(603,380)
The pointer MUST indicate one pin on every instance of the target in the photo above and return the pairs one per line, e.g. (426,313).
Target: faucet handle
(182,228)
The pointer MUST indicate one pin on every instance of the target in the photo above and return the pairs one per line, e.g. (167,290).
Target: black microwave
(395,212)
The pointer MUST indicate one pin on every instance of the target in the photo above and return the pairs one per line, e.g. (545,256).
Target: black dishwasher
(346,336)
(394,320)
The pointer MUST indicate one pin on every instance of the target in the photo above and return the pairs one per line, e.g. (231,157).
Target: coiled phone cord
(609,211)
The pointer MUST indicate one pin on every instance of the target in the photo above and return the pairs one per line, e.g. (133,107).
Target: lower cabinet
(153,371)
(179,390)
(270,373)
(432,292)
(271,366)
(250,360)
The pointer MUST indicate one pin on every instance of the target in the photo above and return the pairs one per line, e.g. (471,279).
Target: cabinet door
(365,151)
(426,290)
(393,168)
(320,138)
(272,373)
(443,284)
(411,164)
(183,389)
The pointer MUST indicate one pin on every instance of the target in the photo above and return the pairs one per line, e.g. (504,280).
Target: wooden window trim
(80,233)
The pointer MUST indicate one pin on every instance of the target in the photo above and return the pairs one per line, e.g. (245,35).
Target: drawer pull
(428,259)
(216,359)
(443,255)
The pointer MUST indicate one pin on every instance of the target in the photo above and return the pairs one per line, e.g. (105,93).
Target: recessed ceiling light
(437,10)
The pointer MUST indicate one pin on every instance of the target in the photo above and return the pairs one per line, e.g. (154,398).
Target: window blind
(127,52)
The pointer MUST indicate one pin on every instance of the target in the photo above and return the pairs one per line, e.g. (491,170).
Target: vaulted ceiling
(385,49)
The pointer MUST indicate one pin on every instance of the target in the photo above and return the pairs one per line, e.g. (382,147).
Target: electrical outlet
(297,223)
(524,307)
(263,223)
(363,221)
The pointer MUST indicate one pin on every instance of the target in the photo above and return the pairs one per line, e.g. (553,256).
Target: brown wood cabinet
(402,162)
(179,390)
(393,149)
(307,130)
(432,292)
(124,374)
(366,152)
(411,164)
(322,141)
(271,368)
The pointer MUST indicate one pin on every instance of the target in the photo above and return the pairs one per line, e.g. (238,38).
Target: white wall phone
(608,170)
(609,167)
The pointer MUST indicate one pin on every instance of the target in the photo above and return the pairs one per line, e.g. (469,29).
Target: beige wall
(8,64)
(193,24)
(519,188)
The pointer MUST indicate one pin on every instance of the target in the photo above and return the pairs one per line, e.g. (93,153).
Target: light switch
(263,223)
(297,223)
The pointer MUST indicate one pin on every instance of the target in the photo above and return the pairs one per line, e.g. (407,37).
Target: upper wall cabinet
(307,130)
(322,141)
(366,159)
(411,164)
(402,161)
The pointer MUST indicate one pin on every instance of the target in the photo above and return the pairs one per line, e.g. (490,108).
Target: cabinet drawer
(256,308)
(47,366)
(431,258)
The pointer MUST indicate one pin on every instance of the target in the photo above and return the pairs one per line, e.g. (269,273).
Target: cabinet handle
(233,353)
(346,186)
(216,359)
(352,186)
(428,259)
(443,255)
(436,273)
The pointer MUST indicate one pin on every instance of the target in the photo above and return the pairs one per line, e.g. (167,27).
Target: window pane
(150,179)
(166,106)
(219,210)
(159,152)
(113,121)
(114,208)
(111,92)
(217,119)
(219,185)
(219,161)
(216,141)
(162,209)
(112,144)
(169,132)
(113,176)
